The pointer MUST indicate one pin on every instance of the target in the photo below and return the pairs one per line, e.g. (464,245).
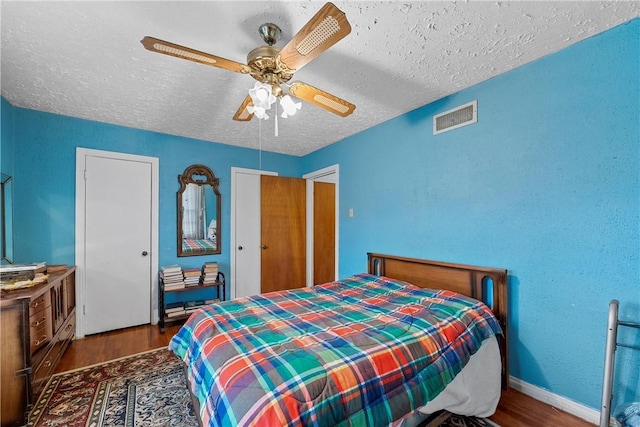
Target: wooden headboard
(485,284)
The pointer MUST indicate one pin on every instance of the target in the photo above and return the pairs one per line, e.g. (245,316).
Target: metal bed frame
(609,359)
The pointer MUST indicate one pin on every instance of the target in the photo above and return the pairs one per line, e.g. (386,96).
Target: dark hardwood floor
(515,409)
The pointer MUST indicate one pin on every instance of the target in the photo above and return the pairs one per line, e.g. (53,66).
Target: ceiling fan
(273,68)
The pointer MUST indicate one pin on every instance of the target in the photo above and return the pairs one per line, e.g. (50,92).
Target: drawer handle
(44,337)
(47,364)
(35,304)
(39,322)
(68,327)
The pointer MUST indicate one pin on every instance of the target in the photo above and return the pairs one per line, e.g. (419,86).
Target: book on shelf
(209,273)
(174,286)
(191,272)
(171,269)
(173,306)
(172,278)
(191,282)
(171,275)
(210,267)
(176,313)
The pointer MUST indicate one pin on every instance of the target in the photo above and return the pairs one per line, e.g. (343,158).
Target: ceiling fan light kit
(262,98)
(274,68)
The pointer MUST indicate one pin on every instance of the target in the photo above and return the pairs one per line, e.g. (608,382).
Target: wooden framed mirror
(199,212)
(6,219)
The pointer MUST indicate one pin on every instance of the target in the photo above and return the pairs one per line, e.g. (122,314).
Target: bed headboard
(483,283)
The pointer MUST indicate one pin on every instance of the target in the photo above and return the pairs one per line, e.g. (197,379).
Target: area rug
(146,389)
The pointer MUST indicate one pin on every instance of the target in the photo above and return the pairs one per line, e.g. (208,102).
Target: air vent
(455,118)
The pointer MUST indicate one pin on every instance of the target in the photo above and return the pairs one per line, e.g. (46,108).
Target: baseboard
(567,405)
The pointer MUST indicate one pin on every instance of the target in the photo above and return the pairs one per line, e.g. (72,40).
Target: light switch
(350,212)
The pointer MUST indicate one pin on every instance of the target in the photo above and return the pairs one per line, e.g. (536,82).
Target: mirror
(6,226)
(199,212)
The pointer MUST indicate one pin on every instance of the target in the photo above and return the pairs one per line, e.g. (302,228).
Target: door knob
(240,247)
(145,253)
(264,246)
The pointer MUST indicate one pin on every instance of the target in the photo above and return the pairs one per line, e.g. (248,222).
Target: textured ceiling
(84,59)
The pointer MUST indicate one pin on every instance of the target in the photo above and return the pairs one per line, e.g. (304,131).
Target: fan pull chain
(260,144)
(276,118)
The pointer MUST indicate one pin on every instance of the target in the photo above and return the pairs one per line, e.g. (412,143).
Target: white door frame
(328,174)
(234,171)
(81,155)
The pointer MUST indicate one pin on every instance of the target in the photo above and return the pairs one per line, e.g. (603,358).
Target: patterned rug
(147,389)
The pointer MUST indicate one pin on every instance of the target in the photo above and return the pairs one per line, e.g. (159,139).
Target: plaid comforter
(196,245)
(366,350)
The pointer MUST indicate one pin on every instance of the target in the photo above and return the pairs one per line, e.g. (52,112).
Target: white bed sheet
(474,391)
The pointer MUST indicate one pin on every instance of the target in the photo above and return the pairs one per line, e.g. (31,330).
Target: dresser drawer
(40,321)
(38,304)
(40,336)
(69,328)
(43,371)
(45,367)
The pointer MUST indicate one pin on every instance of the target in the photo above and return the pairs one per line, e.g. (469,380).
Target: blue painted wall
(6,133)
(546,184)
(44,166)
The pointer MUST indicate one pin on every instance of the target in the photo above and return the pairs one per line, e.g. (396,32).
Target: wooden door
(283,233)
(324,236)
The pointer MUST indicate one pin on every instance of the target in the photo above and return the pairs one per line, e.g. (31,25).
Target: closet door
(324,236)
(283,233)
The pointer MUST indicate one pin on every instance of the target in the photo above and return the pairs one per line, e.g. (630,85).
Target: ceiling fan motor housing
(266,66)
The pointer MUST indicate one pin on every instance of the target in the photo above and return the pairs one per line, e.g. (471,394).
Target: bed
(409,337)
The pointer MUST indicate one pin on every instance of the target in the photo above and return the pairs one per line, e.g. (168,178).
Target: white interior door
(245,231)
(117,279)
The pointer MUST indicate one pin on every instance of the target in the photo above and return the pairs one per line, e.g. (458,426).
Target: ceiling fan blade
(172,49)
(321,98)
(325,29)
(243,115)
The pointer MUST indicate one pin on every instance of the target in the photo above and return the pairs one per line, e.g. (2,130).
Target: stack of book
(191,306)
(209,273)
(19,272)
(191,276)
(172,277)
(174,309)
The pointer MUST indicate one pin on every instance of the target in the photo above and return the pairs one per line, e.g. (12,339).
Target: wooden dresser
(36,327)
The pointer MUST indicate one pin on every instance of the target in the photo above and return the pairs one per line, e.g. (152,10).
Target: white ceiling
(84,59)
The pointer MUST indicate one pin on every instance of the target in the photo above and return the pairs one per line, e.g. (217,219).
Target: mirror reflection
(198,212)
(6,228)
